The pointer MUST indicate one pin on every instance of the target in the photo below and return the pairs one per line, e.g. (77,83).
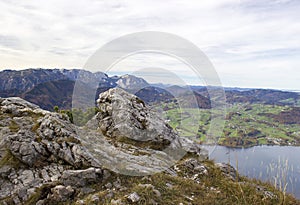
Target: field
(245,124)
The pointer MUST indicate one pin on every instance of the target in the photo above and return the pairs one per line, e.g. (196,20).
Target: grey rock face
(49,137)
(194,165)
(192,147)
(81,178)
(228,170)
(36,148)
(61,193)
(133,140)
(124,114)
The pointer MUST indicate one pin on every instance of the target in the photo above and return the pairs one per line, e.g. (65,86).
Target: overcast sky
(251,43)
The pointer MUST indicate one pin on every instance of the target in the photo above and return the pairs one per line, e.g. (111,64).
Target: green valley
(245,124)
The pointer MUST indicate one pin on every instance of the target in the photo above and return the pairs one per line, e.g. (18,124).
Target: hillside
(48,94)
(122,156)
(263,96)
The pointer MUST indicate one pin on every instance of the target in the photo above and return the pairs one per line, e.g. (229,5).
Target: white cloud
(252,43)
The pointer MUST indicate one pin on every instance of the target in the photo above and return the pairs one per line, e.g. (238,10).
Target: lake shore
(278,165)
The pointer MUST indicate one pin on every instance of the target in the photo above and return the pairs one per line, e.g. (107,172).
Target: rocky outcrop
(134,139)
(37,148)
(228,170)
(81,178)
(123,114)
(45,159)
(41,148)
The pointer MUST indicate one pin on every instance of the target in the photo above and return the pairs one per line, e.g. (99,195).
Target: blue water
(278,164)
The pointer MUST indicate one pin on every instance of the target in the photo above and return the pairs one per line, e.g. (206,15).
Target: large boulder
(124,115)
(128,137)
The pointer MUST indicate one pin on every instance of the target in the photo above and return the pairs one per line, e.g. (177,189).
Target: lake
(278,164)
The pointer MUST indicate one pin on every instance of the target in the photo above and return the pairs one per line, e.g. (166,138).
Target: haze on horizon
(252,43)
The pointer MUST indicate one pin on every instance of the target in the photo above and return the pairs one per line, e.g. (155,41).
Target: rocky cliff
(126,154)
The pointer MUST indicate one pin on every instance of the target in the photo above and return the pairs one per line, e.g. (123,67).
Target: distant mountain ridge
(50,87)
(24,80)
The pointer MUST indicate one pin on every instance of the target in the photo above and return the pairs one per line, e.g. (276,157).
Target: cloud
(251,42)
(9,42)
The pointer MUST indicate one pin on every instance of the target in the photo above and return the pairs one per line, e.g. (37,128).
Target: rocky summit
(132,139)
(126,154)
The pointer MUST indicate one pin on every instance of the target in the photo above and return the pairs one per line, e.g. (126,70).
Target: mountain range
(54,87)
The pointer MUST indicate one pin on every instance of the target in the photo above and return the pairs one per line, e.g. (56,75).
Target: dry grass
(213,188)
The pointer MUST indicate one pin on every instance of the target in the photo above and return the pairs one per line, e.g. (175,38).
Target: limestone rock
(116,202)
(124,114)
(36,147)
(228,170)
(81,178)
(196,166)
(133,197)
(61,193)
(130,138)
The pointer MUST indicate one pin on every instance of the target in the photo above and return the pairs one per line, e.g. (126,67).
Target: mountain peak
(131,82)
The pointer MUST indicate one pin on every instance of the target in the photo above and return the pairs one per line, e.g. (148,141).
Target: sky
(251,43)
